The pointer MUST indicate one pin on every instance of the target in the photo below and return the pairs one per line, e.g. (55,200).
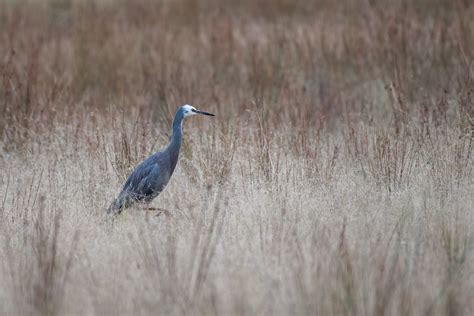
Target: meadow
(337,177)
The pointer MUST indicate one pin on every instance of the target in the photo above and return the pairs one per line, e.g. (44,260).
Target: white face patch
(188,110)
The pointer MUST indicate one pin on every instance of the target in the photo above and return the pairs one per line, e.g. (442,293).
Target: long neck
(176,138)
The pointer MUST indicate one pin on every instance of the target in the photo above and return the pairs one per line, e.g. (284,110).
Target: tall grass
(336,178)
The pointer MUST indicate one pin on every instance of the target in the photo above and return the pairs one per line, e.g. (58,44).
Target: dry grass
(337,178)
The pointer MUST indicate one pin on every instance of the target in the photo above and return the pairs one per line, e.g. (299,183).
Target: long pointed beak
(204,113)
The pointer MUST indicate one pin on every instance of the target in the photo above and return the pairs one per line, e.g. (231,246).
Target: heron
(151,176)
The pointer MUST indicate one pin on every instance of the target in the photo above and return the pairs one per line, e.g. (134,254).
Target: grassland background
(336,179)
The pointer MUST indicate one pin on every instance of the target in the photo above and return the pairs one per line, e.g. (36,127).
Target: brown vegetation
(336,179)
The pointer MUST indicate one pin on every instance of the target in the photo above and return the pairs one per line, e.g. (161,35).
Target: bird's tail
(115,207)
(118,204)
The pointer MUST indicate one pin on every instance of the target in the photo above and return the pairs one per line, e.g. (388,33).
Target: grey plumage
(152,175)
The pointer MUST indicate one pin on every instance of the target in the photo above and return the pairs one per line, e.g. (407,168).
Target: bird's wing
(146,180)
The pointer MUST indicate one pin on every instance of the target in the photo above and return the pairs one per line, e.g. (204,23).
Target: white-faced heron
(152,175)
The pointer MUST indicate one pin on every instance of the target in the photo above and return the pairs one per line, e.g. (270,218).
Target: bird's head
(189,110)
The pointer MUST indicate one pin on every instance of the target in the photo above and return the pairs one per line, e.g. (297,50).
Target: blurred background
(297,62)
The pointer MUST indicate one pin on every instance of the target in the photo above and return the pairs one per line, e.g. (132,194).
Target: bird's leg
(163,211)
(160,211)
